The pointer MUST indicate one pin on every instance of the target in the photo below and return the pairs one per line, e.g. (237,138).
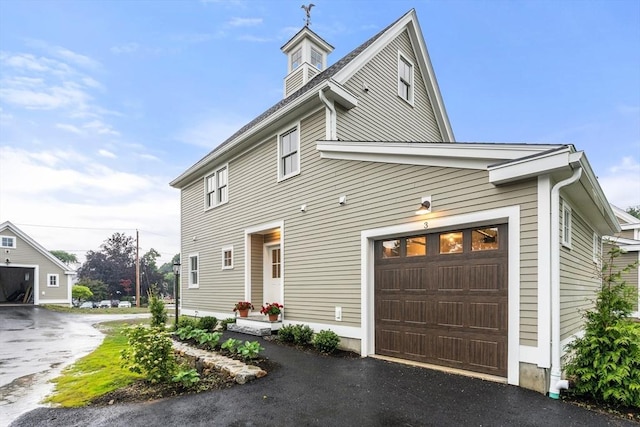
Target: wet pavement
(311,390)
(35,345)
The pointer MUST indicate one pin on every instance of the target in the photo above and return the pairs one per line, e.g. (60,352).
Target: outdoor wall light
(425,206)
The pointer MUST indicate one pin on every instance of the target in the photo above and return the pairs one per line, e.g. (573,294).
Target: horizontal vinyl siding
(257,272)
(630,277)
(381,103)
(579,276)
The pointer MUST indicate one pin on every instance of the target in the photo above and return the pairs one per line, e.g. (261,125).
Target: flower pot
(273,317)
(244,313)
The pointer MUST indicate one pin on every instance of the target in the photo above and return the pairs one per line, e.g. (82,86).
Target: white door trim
(247,253)
(510,214)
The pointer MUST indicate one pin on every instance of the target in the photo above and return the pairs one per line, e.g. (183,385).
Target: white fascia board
(596,193)
(529,167)
(339,94)
(631,221)
(630,226)
(465,156)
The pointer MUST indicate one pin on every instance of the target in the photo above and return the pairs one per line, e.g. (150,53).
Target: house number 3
(426,225)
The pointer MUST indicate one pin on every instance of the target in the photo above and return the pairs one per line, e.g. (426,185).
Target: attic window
(296,59)
(316,59)
(565,229)
(8,242)
(405,78)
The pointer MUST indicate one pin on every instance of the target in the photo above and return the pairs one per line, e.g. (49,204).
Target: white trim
(544,271)
(530,354)
(247,254)
(343,331)
(289,129)
(214,175)
(512,216)
(566,230)
(190,284)
(266,269)
(228,248)
(411,84)
(49,276)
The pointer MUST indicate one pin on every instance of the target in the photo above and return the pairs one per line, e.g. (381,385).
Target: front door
(272,274)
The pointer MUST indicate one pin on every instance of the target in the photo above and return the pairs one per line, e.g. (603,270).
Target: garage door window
(391,248)
(451,243)
(484,239)
(416,246)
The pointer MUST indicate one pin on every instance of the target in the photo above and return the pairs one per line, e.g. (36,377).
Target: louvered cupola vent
(307,56)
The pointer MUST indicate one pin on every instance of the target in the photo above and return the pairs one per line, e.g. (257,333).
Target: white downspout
(331,132)
(556,384)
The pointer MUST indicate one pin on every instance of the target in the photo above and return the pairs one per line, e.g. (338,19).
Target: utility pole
(137,269)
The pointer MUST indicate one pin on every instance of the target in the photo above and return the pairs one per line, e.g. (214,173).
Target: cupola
(306,56)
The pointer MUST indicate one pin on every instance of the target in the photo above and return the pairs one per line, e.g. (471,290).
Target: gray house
(29,274)
(351,203)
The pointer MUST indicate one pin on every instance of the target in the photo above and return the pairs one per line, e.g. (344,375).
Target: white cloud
(108,154)
(125,48)
(621,184)
(210,132)
(65,54)
(245,22)
(100,127)
(149,157)
(250,38)
(69,128)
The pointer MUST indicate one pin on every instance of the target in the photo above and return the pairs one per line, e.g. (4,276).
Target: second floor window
(289,153)
(216,188)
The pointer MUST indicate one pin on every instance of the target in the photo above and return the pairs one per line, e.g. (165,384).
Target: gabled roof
(336,74)
(37,246)
(627,221)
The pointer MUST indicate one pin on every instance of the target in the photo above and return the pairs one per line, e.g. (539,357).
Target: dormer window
(296,59)
(316,59)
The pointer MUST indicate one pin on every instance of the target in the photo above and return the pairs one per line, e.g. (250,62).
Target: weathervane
(307,10)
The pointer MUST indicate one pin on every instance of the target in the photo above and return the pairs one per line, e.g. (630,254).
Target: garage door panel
(448,309)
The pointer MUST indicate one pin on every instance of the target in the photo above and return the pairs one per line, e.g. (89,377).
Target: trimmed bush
(208,323)
(302,334)
(326,341)
(285,333)
(186,321)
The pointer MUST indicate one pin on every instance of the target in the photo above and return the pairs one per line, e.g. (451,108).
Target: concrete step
(257,325)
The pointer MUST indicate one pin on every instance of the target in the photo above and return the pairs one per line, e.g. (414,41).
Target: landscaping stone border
(205,361)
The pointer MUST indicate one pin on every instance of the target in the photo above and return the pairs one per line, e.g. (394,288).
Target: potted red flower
(243,308)
(272,310)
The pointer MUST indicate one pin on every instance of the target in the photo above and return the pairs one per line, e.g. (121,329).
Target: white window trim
(412,84)
(282,177)
(8,236)
(191,284)
(49,276)
(597,245)
(566,240)
(227,249)
(214,173)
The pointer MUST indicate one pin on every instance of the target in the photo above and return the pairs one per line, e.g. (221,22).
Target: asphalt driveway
(310,390)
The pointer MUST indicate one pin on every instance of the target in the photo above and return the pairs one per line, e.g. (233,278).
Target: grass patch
(96,374)
(114,310)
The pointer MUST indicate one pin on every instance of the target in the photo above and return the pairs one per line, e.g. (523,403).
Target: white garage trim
(510,214)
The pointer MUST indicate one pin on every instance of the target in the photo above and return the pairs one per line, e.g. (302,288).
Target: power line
(90,228)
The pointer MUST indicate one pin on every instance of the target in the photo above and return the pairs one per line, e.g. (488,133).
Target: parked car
(124,304)
(88,304)
(105,303)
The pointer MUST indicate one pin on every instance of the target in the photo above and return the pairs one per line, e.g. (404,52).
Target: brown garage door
(441,298)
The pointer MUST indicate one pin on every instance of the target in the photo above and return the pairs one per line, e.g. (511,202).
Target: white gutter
(331,129)
(556,384)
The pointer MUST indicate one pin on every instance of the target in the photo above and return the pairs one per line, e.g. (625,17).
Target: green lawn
(114,310)
(97,373)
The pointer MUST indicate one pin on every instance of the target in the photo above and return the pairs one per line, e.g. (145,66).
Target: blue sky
(102,103)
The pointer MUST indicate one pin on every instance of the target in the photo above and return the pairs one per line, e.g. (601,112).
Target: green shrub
(605,362)
(184,332)
(225,322)
(150,353)
(326,341)
(285,333)
(250,350)
(158,312)
(302,334)
(184,321)
(208,323)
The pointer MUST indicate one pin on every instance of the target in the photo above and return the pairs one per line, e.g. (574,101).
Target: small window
(405,79)
(193,271)
(8,242)
(216,188)
(484,239)
(391,248)
(565,229)
(597,249)
(53,280)
(289,147)
(416,246)
(451,243)
(316,59)
(296,59)
(276,264)
(227,258)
